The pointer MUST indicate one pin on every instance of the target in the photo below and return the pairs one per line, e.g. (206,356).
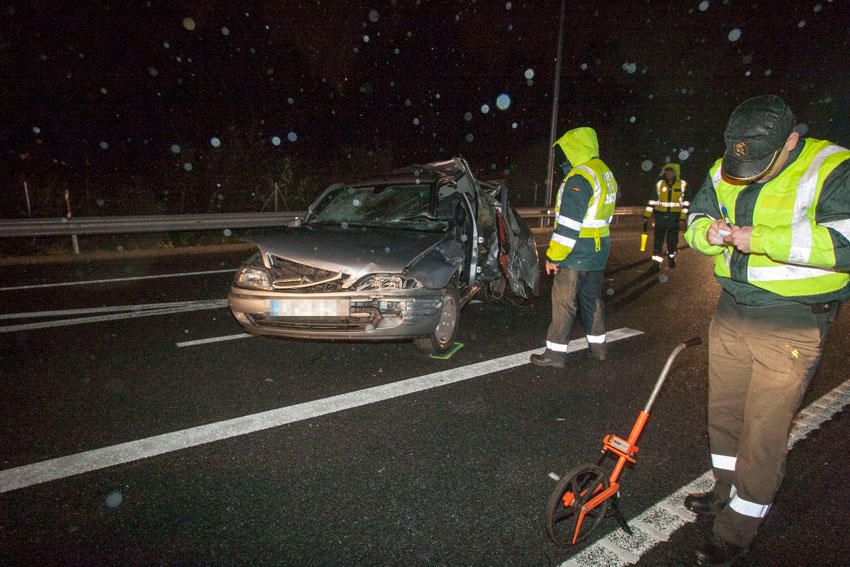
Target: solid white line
(62,467)
(105,309)
(185,344)
(112,280)
(215,304)
(669,514)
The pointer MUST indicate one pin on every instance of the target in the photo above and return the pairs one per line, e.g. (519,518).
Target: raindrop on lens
(735,34)
(663,278)
(189,23)
(503,101)
(275,141)
(114,499)
(215,142)
(226,232)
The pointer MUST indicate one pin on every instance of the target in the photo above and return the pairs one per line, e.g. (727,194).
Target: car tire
(443,336)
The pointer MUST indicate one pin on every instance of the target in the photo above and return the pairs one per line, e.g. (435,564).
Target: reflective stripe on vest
(592,226)
(671,206)
(801,181)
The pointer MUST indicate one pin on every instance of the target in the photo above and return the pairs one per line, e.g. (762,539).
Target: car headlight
(251,277)
(386,281)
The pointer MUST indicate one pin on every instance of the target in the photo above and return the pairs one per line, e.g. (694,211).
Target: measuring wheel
(572,492)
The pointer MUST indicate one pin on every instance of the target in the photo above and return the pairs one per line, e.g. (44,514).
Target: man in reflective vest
(667,204)
(579,247)
(774,213)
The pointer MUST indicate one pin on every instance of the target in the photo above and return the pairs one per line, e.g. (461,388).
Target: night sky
(129,103)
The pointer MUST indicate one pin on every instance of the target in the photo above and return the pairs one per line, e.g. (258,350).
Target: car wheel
(444,334)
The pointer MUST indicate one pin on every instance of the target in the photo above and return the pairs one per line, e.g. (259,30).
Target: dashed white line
(185,344)
(104,309)
(188,307)
(113,280)
(657,523)
(62,467)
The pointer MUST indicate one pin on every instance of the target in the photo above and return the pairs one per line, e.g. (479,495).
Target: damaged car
(393,257)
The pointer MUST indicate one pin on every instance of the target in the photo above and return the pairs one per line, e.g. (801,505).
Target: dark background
(98,96)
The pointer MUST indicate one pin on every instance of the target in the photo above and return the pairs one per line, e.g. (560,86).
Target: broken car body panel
(373,260)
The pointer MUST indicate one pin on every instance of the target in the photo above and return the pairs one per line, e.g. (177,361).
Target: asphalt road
(457,474)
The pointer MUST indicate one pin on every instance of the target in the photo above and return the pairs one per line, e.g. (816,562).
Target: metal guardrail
(138,224)
(10,228)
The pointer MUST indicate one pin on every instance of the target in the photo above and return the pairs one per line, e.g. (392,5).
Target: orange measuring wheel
(586,494)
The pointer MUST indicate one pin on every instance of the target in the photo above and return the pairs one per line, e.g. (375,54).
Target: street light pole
(550,170)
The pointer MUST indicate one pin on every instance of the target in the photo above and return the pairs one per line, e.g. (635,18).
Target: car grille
(296,277)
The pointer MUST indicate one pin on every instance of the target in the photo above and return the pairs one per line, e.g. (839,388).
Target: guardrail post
(75,244)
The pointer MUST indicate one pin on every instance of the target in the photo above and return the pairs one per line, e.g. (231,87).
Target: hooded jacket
(584,205)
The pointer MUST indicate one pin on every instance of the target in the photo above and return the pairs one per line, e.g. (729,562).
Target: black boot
(671,261)
(549,358)
(716,551)
(598,352)
(704,503)
(654,268)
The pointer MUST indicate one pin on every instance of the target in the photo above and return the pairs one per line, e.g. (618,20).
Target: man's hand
(551,268)
(740,238)
(715,236)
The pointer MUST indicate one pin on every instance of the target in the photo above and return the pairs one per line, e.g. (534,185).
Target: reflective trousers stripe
(658,259)
(723,462)
(747,508)
(596,339)
(557,347)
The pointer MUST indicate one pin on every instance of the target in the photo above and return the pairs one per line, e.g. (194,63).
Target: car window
(384,205)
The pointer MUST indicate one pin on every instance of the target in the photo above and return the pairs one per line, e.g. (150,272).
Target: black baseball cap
(754,136)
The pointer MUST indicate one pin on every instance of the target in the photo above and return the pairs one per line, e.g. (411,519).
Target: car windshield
(395,206)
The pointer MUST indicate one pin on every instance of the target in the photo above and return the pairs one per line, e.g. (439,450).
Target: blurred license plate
(309,307)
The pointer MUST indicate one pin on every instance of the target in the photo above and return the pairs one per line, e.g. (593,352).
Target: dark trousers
(573,290)
(760,362)
(666,230)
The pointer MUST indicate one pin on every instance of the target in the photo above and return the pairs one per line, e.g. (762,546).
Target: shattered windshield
(400,206)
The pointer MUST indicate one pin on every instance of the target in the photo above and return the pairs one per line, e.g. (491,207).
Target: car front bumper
(368,315)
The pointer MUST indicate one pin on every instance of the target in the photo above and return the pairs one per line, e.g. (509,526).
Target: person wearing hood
(579,247)
(668,207)
(774,215)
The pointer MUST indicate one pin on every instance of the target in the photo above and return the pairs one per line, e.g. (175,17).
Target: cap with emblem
(754,136)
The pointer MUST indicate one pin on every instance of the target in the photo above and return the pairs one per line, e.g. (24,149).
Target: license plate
(309,307)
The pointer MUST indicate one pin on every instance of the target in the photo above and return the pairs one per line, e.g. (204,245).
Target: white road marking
(104,309)
(185,344)
(113,280)
(79,463)
(657,523)
(190,306)
(554,477)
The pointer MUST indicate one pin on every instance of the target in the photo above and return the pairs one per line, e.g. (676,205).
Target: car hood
(355,251)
